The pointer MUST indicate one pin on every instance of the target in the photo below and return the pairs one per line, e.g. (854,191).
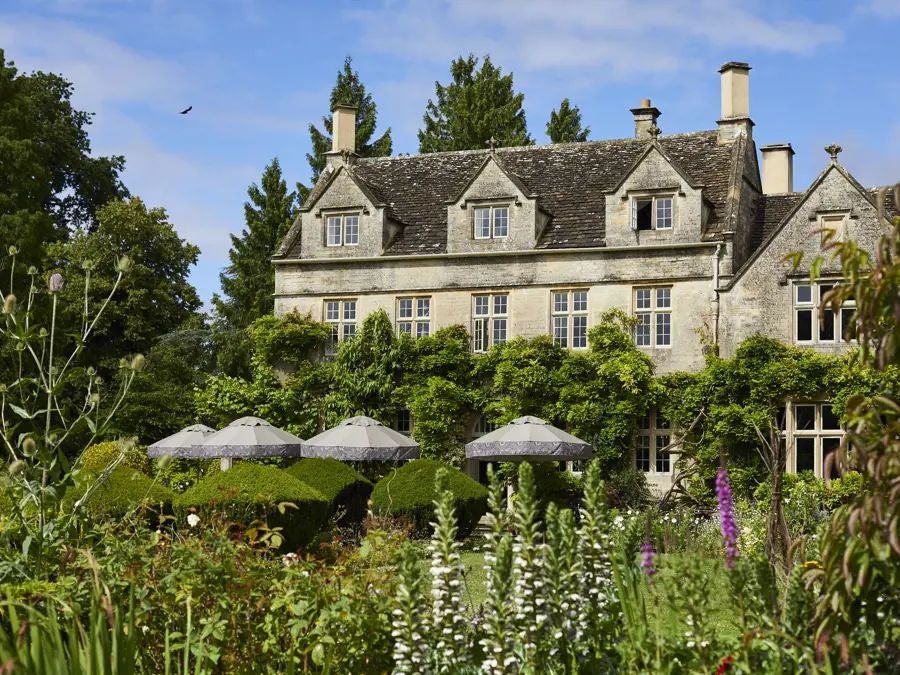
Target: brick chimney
(735,116)
(343,133)
(777,168)
(644,119)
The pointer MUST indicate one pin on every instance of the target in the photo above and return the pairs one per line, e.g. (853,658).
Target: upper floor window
(340,315)
(491,222)
(490,313)
(342,230)
(568,317)
(816,324)
(651,447)
(815,434)
(414,316)
(653,312)
(652,213)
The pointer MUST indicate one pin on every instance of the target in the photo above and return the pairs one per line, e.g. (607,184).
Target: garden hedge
(100,455)
(123,490)
(345,489)
(409,493)
(248,492)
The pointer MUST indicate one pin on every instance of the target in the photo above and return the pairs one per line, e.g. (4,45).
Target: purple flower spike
(726,517)
(647,555)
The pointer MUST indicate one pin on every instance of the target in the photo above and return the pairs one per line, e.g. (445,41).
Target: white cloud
(883,8)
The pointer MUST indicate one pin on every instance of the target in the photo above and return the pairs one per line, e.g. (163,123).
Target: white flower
(193,519)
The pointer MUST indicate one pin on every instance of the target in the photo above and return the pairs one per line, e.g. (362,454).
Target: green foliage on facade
(565,126)
(346,490)
(478,105)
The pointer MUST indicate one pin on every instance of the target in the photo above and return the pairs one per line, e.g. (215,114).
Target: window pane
(781,418)
(423,328)
(423,308)
(663,329)
(662,458)
(579,301)
(333,231)
(331,343)
(482,223)
(804,294)
(642,453)
(479,335)
(662,422)
(560,302)
(663,213)
(351,229)
(350,310)
(642,298)
(847,326)
(404,422)
(349,330)
(804,325)
(642,330)
(804,417)
(332,313)
(644,422)
(481,305)
(499,331)
(829,445)
(823,289)
(500,304)
(404,308)
(579,331)
(643,214)
(501,221)
(404,327)
(805,454)
(826,328)
(830,419)
(560,330)
(663,298)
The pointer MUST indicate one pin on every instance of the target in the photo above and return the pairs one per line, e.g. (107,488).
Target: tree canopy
(564,125)
(349,90)
(476,106)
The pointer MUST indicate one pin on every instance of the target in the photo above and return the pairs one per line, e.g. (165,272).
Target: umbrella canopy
(528,438)
(361,439)
(180,441)
(247,437)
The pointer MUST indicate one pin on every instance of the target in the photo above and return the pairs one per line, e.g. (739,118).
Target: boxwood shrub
(345,489)
(409,493)
(123,490)
(100,455)
(249,492)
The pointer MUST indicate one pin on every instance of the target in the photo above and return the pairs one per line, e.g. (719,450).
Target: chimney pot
(645,102)
(777,168)
(644,119)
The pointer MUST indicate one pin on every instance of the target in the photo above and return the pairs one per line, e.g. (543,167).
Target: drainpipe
(716,259)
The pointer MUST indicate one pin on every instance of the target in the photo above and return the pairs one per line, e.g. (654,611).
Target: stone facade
(676,226)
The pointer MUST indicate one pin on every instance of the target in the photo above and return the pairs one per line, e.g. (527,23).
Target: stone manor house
(687,232)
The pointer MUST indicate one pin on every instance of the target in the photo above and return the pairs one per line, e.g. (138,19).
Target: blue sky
(257,73)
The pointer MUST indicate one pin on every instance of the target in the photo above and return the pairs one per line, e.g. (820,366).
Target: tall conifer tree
(476,106)
(565,124)
(348,90)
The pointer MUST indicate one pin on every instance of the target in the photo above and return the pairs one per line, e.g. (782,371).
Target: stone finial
(492,143)
(833,150)
(654,132)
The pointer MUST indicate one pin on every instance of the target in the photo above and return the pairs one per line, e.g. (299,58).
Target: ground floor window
(653,316)
(414,316)
(651,447)
(341,317)
(568,318)
(490,316)
(813,432)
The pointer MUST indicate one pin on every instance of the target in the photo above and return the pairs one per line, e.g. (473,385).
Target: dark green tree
(348,90)
(565,124)
(49,182)
(476,106)
(248,283)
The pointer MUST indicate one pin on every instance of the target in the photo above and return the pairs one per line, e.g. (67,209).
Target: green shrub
(125,489)
(249,492)
(100,455)
(842,490)
(181,474)
(409,493)
(345,489)
(627,489)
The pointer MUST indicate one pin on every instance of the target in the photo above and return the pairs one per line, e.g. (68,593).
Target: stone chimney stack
(343,128)
(777,168)
(735,117)
(644,119)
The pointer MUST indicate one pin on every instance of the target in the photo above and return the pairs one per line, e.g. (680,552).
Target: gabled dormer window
(491,222)
(652,212)
(342,229)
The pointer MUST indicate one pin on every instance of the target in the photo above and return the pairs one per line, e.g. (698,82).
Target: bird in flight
(186,110)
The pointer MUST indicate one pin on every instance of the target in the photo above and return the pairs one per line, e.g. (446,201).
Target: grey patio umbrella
(528,439)
(180,441)
(361,439)
(247,437)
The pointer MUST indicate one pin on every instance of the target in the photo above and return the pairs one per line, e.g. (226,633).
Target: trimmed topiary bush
(248,492)
(345,489)
(124,490)
(409,493)
(100,455)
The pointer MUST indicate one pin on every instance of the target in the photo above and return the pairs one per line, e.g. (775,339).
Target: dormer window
(342,230)
(491,222)
(652,213)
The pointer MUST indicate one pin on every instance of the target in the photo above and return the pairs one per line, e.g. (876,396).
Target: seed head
(123,264)
(9,305)
(56,282)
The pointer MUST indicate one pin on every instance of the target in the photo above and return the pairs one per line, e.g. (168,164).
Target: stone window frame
(657,315)
(342,323)
(342,216)
(834,220)
(655,197)
(654,434)
(821,438)
(574,316)
(492,208)
(487,325)
(809,308)
(416,324)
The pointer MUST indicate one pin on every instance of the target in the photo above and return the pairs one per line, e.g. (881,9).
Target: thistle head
(9,304)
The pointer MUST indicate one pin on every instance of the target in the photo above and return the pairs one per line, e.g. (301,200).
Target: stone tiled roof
(770,211)
(568,179)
